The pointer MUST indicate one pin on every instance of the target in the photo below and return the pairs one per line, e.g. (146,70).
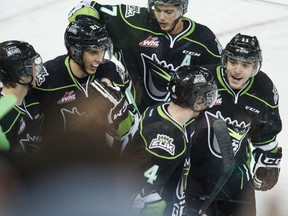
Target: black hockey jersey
(151,55)
(68,102)
(252,116)
(22,126)
(159,151)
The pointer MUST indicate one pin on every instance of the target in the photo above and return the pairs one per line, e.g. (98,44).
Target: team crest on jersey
(40,78)
(67,98)
(72,116)
(151,42)
(131,10)
(22,126)
(30,142)
(237,131)
(152,65)
(163,142)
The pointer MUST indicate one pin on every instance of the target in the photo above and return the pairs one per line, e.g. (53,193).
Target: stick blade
(225,143)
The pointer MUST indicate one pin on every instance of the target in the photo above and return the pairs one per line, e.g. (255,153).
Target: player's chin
(164,27)
(91,70)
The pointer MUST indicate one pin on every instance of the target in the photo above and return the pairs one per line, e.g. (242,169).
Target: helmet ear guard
(192,85)
(244,48)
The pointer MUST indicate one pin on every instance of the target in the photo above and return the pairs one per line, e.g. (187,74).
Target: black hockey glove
(119,104)
(266,169)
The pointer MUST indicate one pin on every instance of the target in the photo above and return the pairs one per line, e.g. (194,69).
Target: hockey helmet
(17,59)
(244,48)
(183,4)
(191,83)
(87,33)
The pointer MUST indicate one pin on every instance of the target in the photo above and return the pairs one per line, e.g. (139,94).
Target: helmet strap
(78,59)
(194,110)
(83,68)
(30,86)
(175,23)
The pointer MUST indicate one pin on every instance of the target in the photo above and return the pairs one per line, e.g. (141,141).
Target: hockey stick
(225,145)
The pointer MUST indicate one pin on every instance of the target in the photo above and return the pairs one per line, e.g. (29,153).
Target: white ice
(42,23)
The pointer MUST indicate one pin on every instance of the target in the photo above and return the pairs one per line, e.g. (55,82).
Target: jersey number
(112,12)
(151,174)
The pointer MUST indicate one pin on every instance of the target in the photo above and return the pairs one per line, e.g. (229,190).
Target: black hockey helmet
(190,83)
(87,33)
(244,48)
(183,4)
(16,60)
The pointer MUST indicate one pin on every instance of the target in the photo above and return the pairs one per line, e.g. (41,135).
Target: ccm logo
(271,161)
(252,109)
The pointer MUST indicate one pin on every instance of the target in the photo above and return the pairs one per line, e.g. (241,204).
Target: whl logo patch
(150,42)
(67,98)
(218,102)
(163,142)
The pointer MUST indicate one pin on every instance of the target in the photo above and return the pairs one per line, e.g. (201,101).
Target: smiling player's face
(92,58)
(238,72)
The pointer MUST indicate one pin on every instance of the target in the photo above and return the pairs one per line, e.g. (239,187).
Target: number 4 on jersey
(151,173)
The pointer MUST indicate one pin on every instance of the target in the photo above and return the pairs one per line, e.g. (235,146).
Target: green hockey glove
(83,9)
(151,204)
(266,169)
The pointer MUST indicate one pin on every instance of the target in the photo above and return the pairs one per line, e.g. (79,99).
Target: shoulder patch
(163,142)
(131,10)
(41,77)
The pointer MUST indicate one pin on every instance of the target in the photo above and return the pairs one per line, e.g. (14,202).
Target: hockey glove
(116,97)
(266,169)
(82,10)
(151,204)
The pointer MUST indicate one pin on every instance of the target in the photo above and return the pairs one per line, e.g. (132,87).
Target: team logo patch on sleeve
(131,10)
(163,142)
(41,77)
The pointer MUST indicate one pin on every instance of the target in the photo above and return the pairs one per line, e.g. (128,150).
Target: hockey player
(153,42)
(248,103)
(161,145)
(19,66)
(69,100)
